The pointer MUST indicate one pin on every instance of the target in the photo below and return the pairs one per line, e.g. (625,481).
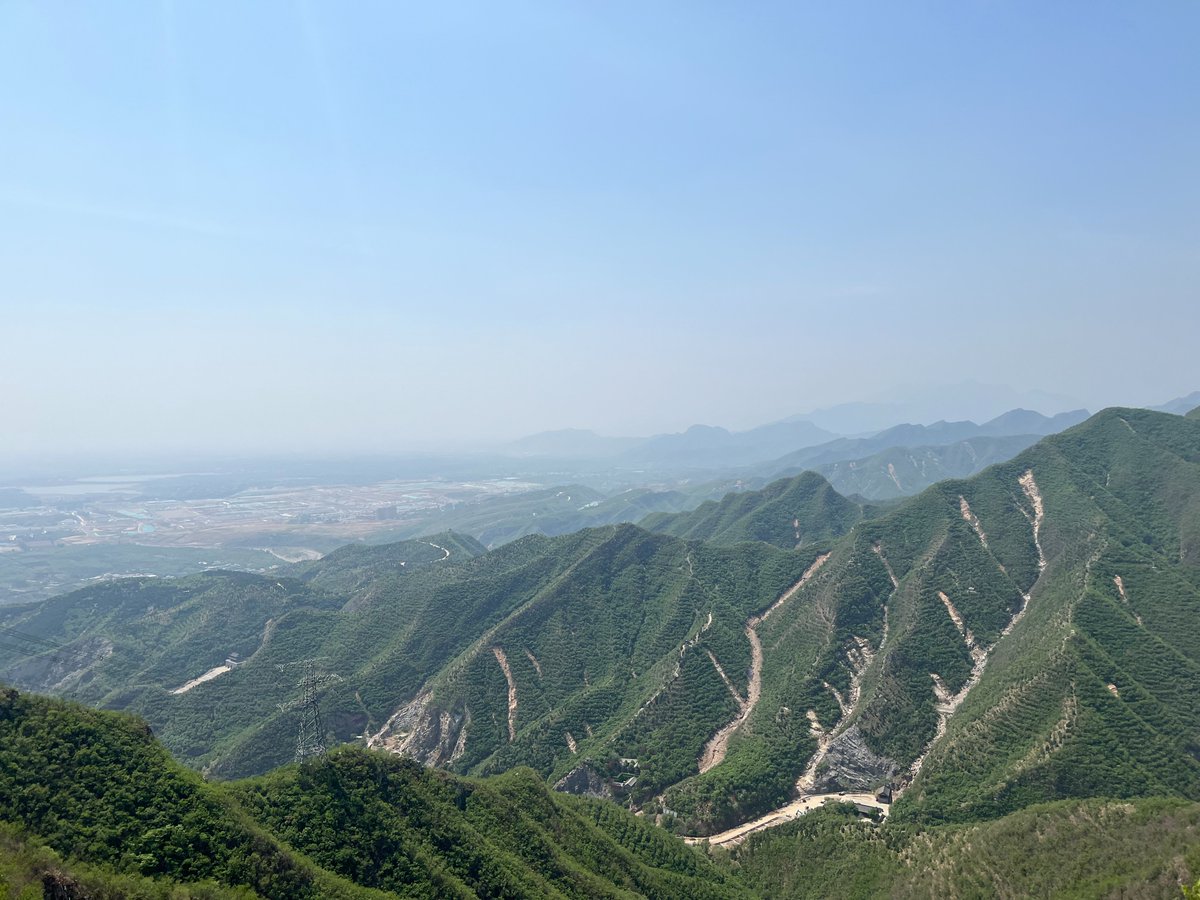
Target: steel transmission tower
(310,730)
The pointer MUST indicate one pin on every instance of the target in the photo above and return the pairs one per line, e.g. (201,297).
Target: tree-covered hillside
(91,806)
(1026,635)
(791,513)
(1094,693)
(563,654)
(904,471)
(96,790)
(1069,849)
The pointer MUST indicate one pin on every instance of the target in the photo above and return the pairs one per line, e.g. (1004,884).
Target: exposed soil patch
(214,672)
(536,665)
(971,519)
(718,745)
(1117,580)
(878,548)
(957,619)
(1029,486)
(502,658)
(793,810)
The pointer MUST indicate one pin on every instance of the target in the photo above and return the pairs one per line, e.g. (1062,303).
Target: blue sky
(376,225)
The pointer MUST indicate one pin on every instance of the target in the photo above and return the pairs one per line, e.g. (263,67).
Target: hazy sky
(344,226)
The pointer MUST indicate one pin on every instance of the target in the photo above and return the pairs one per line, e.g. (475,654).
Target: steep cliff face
(850,765)
(425,732)
(585,781)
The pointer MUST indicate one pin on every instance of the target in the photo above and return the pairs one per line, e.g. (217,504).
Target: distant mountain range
(1014,422)
(968,400)
(907,459)
(708,447)
(705,446)
(897,462)
(1180,405)
(889,422)
(700,447)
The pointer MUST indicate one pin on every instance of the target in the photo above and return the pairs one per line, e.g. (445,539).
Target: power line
(24,643)
(26,637)
(17,648)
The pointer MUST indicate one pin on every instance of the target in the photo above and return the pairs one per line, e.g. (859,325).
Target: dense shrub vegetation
(92,798)
(1068,849)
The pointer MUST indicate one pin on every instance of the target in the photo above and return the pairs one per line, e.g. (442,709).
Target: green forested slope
(91,806)
(1070,849)
(1091,694)
(136,643)
(903,471)
(608,659)
(98,789)
(606,634)
(30,869)
(1095,692)
(388,822)
(793,512)
(355,566)
(998,669)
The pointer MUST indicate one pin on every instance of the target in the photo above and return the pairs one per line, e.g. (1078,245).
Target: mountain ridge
(1044,603)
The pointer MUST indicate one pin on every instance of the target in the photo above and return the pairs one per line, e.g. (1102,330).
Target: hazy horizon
(293,227)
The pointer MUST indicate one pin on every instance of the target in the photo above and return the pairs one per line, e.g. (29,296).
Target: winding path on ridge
(718,745)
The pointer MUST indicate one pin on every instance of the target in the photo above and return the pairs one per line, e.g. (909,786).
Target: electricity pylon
(310,730)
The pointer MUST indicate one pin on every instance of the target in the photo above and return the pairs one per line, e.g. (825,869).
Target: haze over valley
(62,531)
